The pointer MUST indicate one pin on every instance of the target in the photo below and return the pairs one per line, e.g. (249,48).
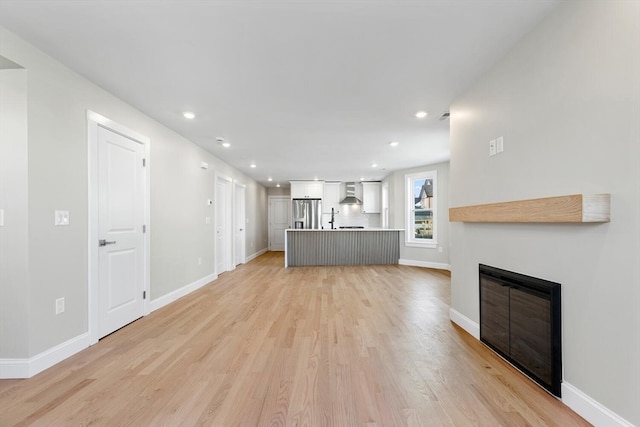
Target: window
(421,199)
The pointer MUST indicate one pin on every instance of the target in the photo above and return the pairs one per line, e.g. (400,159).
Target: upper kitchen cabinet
(331,198)
(370,197)
(307,189)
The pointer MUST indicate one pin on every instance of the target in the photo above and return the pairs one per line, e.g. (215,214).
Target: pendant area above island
(367,246)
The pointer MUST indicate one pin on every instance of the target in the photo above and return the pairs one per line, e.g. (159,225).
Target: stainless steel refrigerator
(307,213)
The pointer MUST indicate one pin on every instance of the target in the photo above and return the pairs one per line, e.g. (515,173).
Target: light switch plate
(60,305)
(1,217)
(62,218)
(500,145)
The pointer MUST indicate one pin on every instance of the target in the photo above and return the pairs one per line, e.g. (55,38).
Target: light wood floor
(306,346)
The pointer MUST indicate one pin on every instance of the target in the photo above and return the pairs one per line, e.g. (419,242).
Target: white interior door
(120,224)
(223,246)
(279,220)
(240,224)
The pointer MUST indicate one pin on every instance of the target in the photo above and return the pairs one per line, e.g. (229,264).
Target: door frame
(384,208)
(269,199)
(239,220)
(95,121)
(230,259)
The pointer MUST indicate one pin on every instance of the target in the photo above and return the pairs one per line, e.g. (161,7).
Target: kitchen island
(342,247)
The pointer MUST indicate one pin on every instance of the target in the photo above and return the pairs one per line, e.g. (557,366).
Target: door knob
(103,242)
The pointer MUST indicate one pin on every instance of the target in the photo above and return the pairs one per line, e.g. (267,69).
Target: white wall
(257,207)
(14,307)
(567,102)
(397,211)
(278,191)
(57,104)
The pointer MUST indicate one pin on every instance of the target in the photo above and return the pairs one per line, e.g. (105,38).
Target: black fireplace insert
(520,319)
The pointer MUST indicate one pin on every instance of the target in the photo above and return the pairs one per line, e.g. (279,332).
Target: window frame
(410,209)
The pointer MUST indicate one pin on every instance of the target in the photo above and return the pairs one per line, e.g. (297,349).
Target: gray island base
(342,247)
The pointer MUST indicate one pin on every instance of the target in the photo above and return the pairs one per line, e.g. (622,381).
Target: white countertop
(346,229)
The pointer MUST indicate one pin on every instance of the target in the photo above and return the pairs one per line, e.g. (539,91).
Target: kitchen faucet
(333,219)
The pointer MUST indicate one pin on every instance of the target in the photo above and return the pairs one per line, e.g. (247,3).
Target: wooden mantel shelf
(573,208)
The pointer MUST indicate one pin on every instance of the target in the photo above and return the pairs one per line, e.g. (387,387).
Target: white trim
(94,121)
(409,207)
(236,224)
(589,409)
(26,368)
(14,368)
(384,202)
(269,214)
(286,244)
(465,323)
(411,244)
(179,293)
(230,237)
(427,264)
(257,254)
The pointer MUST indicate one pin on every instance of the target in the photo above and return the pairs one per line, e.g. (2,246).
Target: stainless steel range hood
(351,198)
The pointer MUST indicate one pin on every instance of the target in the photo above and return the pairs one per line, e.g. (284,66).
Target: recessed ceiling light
(394,143)
(252,165)
(189,115)
(374,165)
(222,142)
(361,178)
(278,185)
(269,179)
(421,114)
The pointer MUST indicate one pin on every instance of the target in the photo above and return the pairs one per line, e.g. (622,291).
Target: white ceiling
(305,89)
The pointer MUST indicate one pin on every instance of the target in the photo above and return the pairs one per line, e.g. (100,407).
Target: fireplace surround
(520,319)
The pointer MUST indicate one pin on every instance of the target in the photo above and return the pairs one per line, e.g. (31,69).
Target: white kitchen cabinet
(307,189)
(370,197)
(331,197)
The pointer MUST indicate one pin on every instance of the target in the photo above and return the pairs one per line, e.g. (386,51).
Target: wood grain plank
(561,209)
(268,346)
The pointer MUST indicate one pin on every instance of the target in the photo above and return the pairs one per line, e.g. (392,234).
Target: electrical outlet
(207,220)
(60,305)
(199,260)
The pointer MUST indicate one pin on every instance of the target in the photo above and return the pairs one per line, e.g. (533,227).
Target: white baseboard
(26,368)
(590,409)
(256,255)
(465,323)
(179,293)
(427,264)
(14,368)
